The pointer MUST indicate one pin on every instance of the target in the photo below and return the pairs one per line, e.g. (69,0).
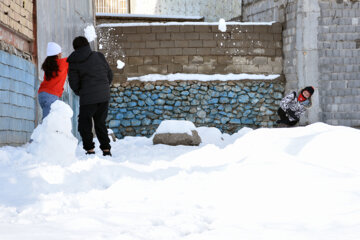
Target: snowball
(90,33)
(176,126)
(222,25)
(120,64)
(53,141)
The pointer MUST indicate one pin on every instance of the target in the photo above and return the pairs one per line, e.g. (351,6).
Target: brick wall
(18,15)
(339,61)
(17,99)
(166,49)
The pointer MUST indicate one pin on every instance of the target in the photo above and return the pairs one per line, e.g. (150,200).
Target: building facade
(321,48)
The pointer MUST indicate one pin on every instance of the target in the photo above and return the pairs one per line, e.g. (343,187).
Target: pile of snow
(90,33)
(120,64)
(203,77)
(53,141)
(175,126)
(222,25)
(297,183)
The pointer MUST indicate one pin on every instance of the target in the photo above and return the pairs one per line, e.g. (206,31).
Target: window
(112,6)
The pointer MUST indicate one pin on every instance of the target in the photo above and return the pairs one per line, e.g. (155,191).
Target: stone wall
(137,108)
(191,48)
(339,61)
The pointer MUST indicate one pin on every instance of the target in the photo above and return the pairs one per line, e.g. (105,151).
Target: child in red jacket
(56,69)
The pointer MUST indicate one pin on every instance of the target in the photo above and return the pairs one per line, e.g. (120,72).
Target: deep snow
(296,183)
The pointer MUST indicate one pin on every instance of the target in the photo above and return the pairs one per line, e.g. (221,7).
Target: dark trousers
(98,112)
(284,119)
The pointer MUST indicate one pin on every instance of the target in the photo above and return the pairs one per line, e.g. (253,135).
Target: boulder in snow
(177,132)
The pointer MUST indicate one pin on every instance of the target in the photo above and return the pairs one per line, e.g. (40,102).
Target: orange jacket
(56,84)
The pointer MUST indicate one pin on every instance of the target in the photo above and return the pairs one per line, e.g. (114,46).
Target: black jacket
(89,76)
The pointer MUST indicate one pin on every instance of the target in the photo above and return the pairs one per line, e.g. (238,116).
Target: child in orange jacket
(56,69)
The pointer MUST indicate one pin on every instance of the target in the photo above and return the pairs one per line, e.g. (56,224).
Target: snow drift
(298,183)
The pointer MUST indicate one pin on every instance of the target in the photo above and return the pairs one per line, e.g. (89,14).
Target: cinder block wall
(17,72)
(17,99)
(339,62)
(165,49)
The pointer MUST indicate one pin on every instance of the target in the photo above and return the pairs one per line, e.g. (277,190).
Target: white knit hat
(53,49)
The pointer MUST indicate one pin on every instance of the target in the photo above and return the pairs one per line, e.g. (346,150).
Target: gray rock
(174,139)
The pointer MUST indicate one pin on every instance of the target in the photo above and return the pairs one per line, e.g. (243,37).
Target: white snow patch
(203,77)
(175,126)
(285,183)
(120,64)
(90,33)
(179,24)
(222,25)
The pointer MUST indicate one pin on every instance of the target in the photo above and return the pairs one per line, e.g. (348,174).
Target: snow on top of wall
(179,23)
(203,77)
(147,16)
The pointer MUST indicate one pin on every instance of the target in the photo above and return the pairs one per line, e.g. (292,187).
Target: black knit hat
(310,89)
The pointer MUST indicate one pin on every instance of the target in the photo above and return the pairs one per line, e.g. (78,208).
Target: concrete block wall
(17,99)
(18,15)
(300,51)
(203,49)
(212,10)
(285,12)
(339,61)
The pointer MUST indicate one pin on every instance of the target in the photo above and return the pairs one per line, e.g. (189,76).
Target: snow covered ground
(297,183)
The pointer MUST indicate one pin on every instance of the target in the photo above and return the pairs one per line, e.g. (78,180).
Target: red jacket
(56,84)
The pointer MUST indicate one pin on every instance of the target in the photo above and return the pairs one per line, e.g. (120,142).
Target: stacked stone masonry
(18,15)
(200,49)
(137,108)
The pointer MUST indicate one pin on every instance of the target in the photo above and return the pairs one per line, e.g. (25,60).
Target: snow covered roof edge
(180,23)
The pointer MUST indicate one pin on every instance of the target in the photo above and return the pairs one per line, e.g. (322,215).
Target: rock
(174,139)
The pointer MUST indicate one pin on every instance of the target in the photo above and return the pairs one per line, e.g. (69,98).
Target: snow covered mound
(298,183)
(175,126)
(53,141)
